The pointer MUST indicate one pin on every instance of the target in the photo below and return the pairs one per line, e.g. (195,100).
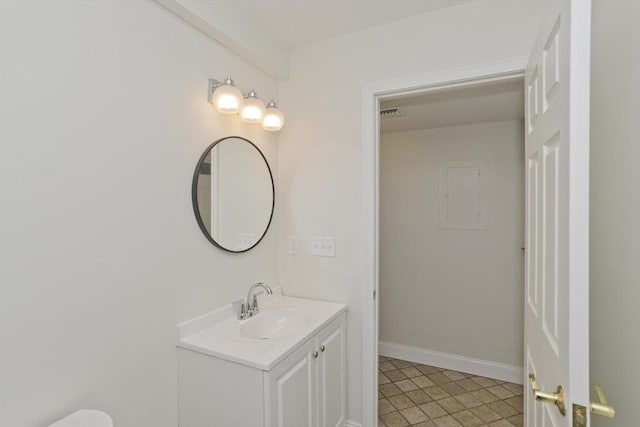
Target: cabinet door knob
(322,348)
(315,354)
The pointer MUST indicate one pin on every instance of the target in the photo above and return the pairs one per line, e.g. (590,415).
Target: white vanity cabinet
(307,388)
(332,376)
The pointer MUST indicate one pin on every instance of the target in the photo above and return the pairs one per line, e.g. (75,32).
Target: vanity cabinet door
(332,380)
(292,389)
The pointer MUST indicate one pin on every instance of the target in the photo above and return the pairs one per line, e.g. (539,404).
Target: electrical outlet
(293,245)
(323,246)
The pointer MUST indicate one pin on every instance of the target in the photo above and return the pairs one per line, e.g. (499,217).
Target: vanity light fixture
(273,118)
(228,99)
(253,109)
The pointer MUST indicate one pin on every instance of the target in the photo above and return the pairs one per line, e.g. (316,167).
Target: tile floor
(417,395)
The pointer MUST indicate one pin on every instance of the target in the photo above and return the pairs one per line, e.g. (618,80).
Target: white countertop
(217,333)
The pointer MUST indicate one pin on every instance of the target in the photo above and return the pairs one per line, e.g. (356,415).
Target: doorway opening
(451,262)
(444,170)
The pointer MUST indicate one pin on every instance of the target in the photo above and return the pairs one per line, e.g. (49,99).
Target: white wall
(104,118)
(452,291)
(320,188)
(615,203)
(229,23)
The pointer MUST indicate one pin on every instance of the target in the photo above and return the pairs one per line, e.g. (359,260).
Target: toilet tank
(85,418)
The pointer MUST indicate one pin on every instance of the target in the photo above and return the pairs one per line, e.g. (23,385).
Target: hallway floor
(417,395)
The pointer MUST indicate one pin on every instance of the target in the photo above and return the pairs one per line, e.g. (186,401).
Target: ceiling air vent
(389,113)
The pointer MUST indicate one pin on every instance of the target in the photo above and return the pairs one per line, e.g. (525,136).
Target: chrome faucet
(249,307)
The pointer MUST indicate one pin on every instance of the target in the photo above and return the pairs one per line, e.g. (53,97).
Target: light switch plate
(323,246)
(292,245)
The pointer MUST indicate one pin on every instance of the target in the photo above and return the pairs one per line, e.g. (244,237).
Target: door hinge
(374,295)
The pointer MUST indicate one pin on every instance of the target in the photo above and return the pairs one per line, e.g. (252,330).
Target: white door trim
(372,94)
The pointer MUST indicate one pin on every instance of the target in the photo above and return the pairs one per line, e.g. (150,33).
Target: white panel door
(292,389)
(557,206)
(332,370)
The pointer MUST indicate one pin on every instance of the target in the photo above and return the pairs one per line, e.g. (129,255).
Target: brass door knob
(601,408)
(556,398)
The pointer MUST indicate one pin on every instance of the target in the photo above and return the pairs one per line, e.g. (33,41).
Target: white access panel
(464,195)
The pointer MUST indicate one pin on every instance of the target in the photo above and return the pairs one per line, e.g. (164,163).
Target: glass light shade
(227,98)
(273,119)
(253,109)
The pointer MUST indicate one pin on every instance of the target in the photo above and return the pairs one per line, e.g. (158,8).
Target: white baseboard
(454,362)
(352,424)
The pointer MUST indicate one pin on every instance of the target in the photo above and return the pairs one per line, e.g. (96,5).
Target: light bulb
(227,98)
(273,119)
(253,109)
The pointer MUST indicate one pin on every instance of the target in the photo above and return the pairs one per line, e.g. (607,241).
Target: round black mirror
(233,194)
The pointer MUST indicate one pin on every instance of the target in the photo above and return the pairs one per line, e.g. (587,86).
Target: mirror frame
(194,194)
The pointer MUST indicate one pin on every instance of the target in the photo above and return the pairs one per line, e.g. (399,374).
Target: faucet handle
(254,304)
(240,308)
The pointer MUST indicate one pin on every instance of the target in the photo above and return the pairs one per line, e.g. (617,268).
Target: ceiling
(484,103)
(297,22)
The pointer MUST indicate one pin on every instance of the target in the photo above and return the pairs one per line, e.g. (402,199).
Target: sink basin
(273,324)
(264,340)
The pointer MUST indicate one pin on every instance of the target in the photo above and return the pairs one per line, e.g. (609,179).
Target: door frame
(372,94)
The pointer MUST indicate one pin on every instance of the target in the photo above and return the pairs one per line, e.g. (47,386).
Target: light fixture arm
(213,85)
